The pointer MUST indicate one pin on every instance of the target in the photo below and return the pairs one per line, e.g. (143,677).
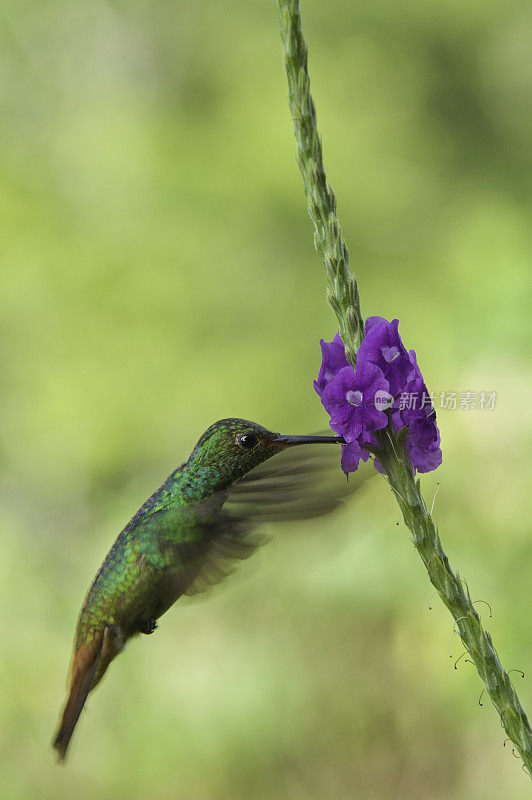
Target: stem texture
(343,297)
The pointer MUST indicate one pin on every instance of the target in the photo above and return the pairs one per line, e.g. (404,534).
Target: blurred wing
(291,486)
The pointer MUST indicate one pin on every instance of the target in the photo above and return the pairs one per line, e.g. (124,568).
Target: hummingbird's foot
(149,627)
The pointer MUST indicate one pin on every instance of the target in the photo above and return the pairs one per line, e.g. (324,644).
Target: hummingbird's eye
(248,440)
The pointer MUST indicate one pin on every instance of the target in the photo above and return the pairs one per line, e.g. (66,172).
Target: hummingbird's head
(232,447)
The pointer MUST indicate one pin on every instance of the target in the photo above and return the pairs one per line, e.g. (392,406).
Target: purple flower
(351,399)
(386,385)
(383,347)
(417,412)
(351,455)
(333,360)
(423,443)
(414,400)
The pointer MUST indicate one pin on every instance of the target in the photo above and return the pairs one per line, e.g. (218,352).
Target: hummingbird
(189,535)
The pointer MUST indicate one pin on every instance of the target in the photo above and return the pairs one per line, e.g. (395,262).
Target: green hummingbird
(188,535)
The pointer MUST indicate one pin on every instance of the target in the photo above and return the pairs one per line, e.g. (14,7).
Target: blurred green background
(157,274)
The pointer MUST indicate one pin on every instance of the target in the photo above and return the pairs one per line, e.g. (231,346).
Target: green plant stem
(342,294)
(342,290)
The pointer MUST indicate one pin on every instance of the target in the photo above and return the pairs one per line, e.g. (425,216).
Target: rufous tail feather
(84,669)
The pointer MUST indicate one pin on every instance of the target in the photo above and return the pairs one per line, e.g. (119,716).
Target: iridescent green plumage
(187,535)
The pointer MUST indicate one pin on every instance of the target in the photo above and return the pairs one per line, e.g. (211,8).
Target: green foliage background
(157,274)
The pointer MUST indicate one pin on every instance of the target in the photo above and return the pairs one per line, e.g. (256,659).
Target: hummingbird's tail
(86,671)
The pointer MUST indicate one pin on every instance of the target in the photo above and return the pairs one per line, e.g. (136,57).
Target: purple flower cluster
(360,402)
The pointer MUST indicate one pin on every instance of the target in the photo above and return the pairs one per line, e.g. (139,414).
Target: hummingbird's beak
(291,441)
